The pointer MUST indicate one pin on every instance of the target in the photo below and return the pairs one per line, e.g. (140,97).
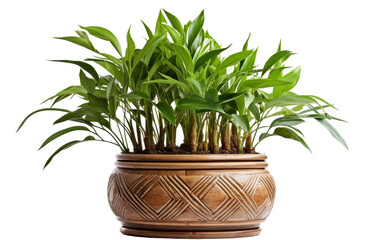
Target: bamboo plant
(181,78)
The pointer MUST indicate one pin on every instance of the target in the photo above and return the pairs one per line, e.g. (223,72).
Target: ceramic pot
(191,196)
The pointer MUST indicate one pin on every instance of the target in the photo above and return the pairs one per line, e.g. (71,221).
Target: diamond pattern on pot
(214,198)
(208,197)
(156,198)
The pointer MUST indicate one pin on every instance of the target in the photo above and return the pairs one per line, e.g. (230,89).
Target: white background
(333,193)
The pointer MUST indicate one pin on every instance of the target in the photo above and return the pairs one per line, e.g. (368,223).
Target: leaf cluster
(181,78)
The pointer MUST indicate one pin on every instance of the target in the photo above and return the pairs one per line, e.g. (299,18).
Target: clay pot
(191,196)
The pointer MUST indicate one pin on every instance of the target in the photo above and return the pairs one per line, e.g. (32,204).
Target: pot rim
(128,157)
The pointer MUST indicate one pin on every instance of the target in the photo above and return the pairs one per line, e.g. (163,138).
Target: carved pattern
(208,197)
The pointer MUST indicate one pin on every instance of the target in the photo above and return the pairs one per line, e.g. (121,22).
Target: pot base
(191,234)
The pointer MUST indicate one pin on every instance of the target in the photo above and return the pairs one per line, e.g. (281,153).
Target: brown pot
(191,196)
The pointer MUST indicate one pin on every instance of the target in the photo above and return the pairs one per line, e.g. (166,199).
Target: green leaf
(208,56)
(62,132)
(87,83)
(170,81)
(245,46)
(40,110)
(254,84)
(195,28)
(243,102)
(174,22)
(332,131)
(85,66)
(197,42)
(84,42)
(110,88)
(254,110)
(112,106)
(274,58)
(289,120)
(104,34)
(242,121)
(290,134)
(145,54)
(97,101)
(212,96)
(117,61)
(197,103)
(160,20)
(167,112)
(289,100)
(249,62)
(135,95)
(232,60)
(315,109)
(175,35)
(66,146)
(91,114)
(149,33)
(322,100)
(227,97)
(292,77)
(110,67)
(130,46)
(199,85)
(185,57)
(79,90)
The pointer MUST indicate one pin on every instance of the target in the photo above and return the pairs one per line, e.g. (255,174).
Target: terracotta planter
(191,196)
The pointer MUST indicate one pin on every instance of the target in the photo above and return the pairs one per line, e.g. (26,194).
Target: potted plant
(215,183)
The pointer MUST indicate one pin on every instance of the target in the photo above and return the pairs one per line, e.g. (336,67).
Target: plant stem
(193,134)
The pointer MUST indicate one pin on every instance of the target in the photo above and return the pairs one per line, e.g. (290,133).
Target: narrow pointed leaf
(290,134)
(242,121)
(167,112)
(254,84)
(62,132)
(135,95)
(130,46)
(199,85)
(208,56)
(85,66)
(84,42)
(249,62)
(274,58)
(289,120)
(227,97)
(97,101)
(159,25)
(212,96)
(290,100)
(112,106)
(232,60)
(145,54)
(40,110)
(185,57)
(245,46)
(104,34)
(195,28)
(87,83)
(66,146)
(175,35)
(174,22)
(196,103)
(149,33)
(332,131)
(254,110)
(75,90)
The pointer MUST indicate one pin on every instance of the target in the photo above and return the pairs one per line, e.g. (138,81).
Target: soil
(185,150)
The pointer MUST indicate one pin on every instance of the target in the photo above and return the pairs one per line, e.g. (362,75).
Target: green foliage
(180,78)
